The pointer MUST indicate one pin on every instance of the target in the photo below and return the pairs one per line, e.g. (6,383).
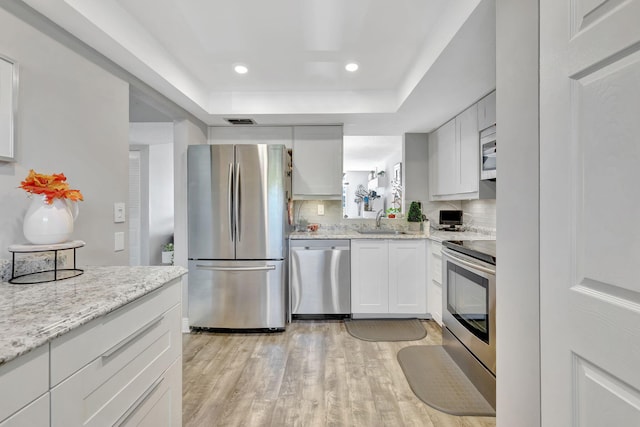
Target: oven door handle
(466,263)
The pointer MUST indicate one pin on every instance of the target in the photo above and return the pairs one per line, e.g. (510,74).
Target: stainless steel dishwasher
(320,278)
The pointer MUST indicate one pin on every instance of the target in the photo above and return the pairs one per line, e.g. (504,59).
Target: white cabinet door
(468,141)
(407,277)
(434,281)
(36,414)
(447,160)
(317,162)
(369,276)
(487,111)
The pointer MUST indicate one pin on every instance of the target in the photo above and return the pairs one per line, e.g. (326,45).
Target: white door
(589,207)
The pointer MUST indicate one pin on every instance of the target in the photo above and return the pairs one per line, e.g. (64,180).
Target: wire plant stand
(46,274)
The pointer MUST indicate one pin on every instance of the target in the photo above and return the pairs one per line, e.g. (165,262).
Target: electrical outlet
(119,241)
(320,209)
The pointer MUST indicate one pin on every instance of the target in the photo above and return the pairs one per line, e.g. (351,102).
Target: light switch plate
(320,209)
(119,241)
(119,212)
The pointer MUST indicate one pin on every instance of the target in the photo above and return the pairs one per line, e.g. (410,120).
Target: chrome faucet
(379,216)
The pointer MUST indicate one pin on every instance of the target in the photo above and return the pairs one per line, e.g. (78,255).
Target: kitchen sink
(382,232)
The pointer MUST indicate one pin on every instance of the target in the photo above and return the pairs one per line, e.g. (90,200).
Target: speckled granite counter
(353,234)
(440,236)
(436,235)
(31,315)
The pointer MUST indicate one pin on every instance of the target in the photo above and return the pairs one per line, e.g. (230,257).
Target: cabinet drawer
(23,379)
(36,414)
(161,405)
(436,262)
(103,391)
(74,350)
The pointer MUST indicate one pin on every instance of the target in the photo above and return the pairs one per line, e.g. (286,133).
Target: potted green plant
(414,217)
(167,253)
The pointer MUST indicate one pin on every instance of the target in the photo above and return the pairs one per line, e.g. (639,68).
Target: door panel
(589,157)
(210,176)
(236,294)
(260,201)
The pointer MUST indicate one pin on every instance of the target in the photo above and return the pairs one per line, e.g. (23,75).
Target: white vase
(47,224)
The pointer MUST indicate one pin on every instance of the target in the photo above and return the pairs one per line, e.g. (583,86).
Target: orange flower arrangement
(52,186)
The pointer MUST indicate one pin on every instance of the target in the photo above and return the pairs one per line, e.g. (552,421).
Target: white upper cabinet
(317,162)
(468,140)
(442,159)
(487,111)
(454,159)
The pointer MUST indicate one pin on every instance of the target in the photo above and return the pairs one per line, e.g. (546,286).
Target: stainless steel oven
(469,304)
(488,153)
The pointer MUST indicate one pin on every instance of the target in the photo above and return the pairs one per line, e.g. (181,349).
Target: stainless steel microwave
(488,151)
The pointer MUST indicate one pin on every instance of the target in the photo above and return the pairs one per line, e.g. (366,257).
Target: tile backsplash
(479,215)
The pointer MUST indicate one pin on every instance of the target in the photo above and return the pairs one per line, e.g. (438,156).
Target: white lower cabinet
(24,388)
(388,277)
(434,280)
(133,379)
(35,414)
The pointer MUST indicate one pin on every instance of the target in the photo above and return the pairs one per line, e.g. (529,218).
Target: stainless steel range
(469,309)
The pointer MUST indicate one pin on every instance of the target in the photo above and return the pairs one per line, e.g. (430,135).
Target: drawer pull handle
(132,337)
(208,267)
(139,401)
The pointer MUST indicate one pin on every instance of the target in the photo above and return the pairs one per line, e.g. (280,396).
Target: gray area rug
(436,380)
(386,329)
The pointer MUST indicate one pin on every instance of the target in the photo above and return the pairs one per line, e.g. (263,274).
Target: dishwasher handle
(321,248)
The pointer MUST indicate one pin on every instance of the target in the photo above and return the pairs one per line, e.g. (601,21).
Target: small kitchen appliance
(450,220)
(488,153)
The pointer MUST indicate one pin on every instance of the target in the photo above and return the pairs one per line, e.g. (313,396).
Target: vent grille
(241,121)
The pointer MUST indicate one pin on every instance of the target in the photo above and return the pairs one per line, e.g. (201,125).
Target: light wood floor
(314,374)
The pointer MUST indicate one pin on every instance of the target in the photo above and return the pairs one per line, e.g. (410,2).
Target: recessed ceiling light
(352,66)
(241,69)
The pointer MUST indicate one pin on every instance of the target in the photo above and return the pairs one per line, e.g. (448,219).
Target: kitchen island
(100,348)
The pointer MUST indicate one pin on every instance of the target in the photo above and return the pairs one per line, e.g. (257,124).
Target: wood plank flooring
(314,374)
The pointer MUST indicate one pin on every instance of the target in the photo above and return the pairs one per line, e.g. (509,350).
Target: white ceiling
(421,61)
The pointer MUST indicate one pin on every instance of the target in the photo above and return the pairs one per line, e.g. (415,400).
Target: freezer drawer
(236,294)
(320,277)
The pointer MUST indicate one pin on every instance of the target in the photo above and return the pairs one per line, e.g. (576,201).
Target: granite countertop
(436,235)
(353,234)
(440,236)
(32,315)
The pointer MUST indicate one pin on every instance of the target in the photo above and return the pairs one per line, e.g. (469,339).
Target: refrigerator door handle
(208,267)
(238,203)
(230,201)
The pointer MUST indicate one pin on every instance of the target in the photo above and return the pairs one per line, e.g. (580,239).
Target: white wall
(251,135)
(518,282)
(72,118)
(156,139)
(161,207)
(185,133)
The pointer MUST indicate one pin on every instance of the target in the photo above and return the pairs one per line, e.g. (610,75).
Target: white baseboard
(185,325)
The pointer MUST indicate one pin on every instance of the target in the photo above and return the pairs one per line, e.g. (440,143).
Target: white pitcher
(47,224)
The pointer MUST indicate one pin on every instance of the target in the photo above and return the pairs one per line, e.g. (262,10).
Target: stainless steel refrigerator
(237,214)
